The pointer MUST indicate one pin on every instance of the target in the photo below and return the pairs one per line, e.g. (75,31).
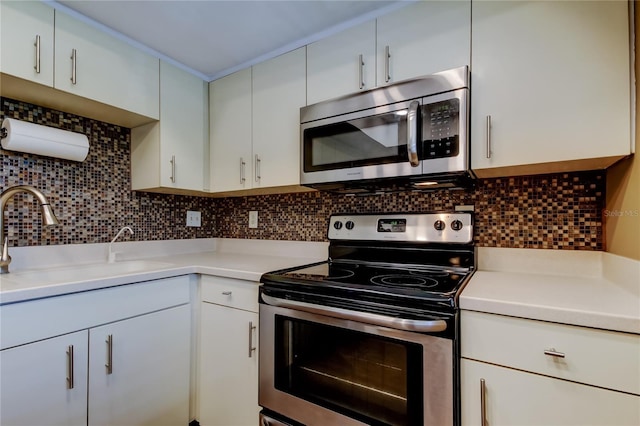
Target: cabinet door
(333,64)
(35,386)
(170,153)
(228,394)
(22,23)
(106,69)
(278,93)
(514,397)
(554,78)
(182,128)
(140,375)
(423,38)
(230,132)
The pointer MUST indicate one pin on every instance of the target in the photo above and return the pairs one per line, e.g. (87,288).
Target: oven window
(365,141)
(370,378)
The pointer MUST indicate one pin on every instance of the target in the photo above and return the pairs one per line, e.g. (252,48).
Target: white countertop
(585,288)
(591,289)
(70,269)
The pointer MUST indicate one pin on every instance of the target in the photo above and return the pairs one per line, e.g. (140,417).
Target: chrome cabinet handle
(552,352)
(251,347)
(387,64)
(226,293)
(361,72)
(242,164)
(37,45)
(70,368)
(109,363)
(257,168)
(74,62)
(173,169)
(488,136)
(483,403)
(412,134)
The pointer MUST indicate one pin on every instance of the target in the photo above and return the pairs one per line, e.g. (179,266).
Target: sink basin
(83,272)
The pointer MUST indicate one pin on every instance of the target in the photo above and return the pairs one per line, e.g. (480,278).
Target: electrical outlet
(194,219)
(253,219)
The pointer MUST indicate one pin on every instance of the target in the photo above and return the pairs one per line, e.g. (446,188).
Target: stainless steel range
(369,336)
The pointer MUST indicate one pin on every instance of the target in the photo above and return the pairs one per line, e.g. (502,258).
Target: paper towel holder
(37,139)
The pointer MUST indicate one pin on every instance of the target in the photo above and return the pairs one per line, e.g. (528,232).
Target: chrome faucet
(112,255)
(48,218)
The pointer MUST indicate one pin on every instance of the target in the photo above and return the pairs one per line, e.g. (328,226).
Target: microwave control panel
(440,129)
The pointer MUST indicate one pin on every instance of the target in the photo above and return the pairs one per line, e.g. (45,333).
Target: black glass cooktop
(361,280)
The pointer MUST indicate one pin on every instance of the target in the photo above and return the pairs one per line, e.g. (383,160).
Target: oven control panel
(416,227)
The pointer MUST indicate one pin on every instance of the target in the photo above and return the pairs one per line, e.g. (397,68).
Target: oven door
(321,370)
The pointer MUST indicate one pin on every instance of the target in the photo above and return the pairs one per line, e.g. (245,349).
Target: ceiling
(212,38)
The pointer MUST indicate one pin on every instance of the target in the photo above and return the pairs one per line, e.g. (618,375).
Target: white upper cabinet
(26,40)
(254,125)
(550,86)
(419,39)
(95,65)
(278,94)
(423,38)
(342,64)
(230,132)
(170,154)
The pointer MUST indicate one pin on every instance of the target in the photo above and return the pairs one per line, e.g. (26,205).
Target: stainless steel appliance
(370,335)
(413,134)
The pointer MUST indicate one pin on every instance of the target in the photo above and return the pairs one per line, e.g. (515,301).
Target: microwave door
(383,145)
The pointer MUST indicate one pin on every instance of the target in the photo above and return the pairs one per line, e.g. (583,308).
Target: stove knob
(349,225)
(456,225)
(439,225)
(337,224)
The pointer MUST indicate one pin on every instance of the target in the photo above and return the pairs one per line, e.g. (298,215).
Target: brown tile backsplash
(93,200)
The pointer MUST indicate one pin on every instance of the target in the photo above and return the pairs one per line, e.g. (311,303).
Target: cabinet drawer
(230,292)
(29,321)
(598,357)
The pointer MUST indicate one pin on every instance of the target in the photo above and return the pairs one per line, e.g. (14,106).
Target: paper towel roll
(42,140)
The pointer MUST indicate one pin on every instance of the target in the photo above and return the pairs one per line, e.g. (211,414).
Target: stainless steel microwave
(411,135)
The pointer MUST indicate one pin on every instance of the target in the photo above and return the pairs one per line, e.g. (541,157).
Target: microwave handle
(412,134)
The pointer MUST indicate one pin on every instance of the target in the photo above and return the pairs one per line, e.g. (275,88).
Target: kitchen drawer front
(239,294)
(29,321)
(598,357)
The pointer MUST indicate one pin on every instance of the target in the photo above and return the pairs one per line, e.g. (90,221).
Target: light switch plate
(194,219)
(253,219)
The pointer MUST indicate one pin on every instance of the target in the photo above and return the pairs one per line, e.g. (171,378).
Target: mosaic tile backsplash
(93,200)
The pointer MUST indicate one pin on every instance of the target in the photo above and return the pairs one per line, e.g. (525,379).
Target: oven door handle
(365,317)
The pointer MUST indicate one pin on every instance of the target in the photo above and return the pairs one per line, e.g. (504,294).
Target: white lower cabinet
(517,371)
(228,373)
(128,363)
(513,397)
(45,383)
(139,370)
